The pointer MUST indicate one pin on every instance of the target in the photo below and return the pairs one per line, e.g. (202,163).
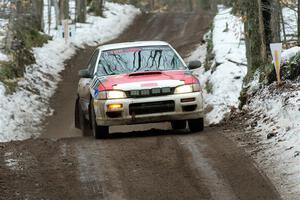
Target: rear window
(127,60)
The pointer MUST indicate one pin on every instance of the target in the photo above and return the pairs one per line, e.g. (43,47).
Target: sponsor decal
(96,92)
(96,86)
(117,51)
(149,85)
(138,49)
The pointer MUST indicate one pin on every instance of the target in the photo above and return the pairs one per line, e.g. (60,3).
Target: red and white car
(138,82)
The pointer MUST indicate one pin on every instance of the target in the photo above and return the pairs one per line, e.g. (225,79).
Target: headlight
(114,94)
(187,89)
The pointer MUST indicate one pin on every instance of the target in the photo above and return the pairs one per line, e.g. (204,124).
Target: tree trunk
(282,23)
(191,5)
(255,35)
(49,16)
(98,7)
(37,10)
(63,9)
(81,11)
(298,22)
(57,15)
(264,29)
(275,21)
(152,2)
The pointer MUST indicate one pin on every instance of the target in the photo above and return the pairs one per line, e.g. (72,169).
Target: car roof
(132,44)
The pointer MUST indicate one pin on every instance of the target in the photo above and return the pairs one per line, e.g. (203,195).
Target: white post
(65,24)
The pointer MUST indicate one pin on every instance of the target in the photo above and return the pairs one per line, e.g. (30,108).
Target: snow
(3,29)
(199,54)
(226,78)
(276,111)
(10,162)
(228,37)
(289,53)
(290,18)
(22,112)
(226,83)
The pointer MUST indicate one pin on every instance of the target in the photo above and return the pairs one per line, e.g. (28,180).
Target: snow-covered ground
(275,122)
(222,84)
(275,111)
(275,125)
(3,29)
(290,19)
(22,112)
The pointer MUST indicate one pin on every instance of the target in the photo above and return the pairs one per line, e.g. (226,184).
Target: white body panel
(126,119)
(148,85)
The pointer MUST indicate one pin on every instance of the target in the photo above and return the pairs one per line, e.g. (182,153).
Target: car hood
(145,80)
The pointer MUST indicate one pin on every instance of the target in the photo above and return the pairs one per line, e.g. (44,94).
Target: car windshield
(127,60)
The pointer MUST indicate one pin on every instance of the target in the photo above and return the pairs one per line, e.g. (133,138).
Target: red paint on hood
(114,80)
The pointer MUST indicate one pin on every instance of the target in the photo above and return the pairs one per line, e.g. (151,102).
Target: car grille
(150,92)
(151,108)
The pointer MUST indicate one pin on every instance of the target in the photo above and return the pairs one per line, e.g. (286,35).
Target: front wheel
(196,125)
(100,132)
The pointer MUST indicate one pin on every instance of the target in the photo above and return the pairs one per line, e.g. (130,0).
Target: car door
(84,82)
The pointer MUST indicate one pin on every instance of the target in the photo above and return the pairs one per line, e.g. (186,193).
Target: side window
(92,62)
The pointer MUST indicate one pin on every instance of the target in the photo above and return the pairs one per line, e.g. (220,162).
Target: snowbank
(275,112)
(226,83)
(287,54)
(290,18)
(228,37)
(22,112)
(275,121)
(273,133)
(222,83)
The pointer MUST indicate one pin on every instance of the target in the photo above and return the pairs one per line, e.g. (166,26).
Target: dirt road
(143,163)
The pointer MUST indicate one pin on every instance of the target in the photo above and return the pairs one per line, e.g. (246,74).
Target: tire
(196,125)
(83,122)
(178,125)
(77,120)
(100,132)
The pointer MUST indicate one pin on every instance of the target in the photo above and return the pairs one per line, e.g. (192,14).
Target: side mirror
(194,64)
(84,73)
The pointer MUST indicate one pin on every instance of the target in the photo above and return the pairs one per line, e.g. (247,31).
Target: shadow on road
(149,133)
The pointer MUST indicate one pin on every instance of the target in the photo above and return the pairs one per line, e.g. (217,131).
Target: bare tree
(282,23)
(98,7)
(57,15)
(152,3)
(298,21)
(49,15)
(63,9)
(275,21)
(25,25)
(38,13)
(80,11)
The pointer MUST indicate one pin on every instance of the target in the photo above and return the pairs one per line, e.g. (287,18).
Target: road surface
(137,162)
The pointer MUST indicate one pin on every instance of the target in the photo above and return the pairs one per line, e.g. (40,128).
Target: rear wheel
(196,125)
(83,123)
(179,124)
(77,120)
(100,132)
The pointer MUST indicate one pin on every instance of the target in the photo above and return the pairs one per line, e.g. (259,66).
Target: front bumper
(123,116)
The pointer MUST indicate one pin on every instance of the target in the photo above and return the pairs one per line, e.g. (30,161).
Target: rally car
(138,82)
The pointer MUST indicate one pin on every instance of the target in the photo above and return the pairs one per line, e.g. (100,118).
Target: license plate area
(151,107)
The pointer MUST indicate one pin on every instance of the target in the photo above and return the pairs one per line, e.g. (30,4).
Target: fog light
(188,100)
(114,106)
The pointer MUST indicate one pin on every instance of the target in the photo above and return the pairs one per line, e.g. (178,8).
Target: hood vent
(145,73)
